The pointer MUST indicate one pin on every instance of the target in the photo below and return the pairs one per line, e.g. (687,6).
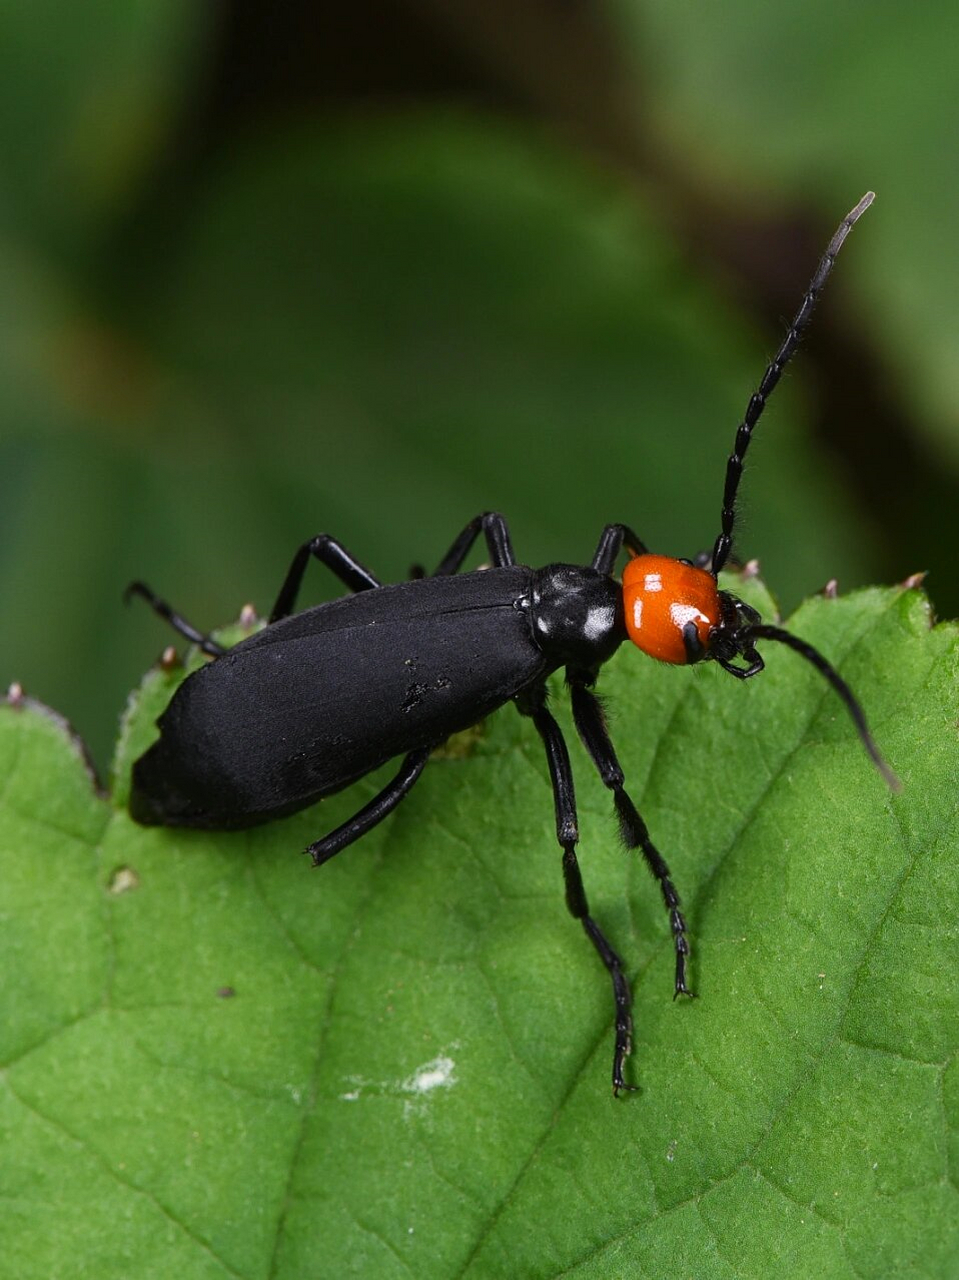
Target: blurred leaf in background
(373,272)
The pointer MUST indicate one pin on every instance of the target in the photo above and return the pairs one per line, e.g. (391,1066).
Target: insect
(318,699)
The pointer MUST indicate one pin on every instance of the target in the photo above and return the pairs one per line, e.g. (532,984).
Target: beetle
(320,698)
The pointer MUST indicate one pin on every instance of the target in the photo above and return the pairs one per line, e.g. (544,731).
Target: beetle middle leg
(591,726)
(325,548)
(383,803)
(499,544)
(499,547)
(532,703)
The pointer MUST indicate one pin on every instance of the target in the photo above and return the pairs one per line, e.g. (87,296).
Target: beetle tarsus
(175,620)
(622,997)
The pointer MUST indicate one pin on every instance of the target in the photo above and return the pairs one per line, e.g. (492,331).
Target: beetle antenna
(757,402)
(763,631)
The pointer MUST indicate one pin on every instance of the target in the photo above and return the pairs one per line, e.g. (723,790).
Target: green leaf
(218,1062)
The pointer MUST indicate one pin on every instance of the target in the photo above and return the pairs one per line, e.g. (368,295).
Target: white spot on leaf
(437,1074)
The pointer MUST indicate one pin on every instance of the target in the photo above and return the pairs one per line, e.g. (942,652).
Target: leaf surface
(218,1062)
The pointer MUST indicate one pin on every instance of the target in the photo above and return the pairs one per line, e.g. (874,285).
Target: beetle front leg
(383,803)
(591,726)
(533,704)
(612,540)
(335,556)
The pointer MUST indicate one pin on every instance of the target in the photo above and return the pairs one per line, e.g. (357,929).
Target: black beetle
(318,699)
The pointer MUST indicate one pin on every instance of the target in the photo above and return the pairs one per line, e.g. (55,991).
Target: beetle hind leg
(357,577)
(383,803)
(176,620)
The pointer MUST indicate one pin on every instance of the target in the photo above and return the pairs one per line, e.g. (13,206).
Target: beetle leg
(498,544)
(532,703)
(611,542)
(335,556)
(178,623)
(382,804)
(591,725)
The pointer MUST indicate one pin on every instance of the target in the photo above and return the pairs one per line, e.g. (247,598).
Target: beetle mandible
(333,692)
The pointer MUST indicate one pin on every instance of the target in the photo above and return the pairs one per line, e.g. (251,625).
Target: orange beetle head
(671,607)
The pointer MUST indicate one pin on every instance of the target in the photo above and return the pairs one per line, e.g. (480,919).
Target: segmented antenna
(762,631)
(734,467)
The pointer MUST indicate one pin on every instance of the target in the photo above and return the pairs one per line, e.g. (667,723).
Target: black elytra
(318,699)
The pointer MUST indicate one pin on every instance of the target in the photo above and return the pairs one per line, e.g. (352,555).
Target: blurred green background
(374,268)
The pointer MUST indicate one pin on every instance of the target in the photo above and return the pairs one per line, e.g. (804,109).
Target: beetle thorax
(576,614)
